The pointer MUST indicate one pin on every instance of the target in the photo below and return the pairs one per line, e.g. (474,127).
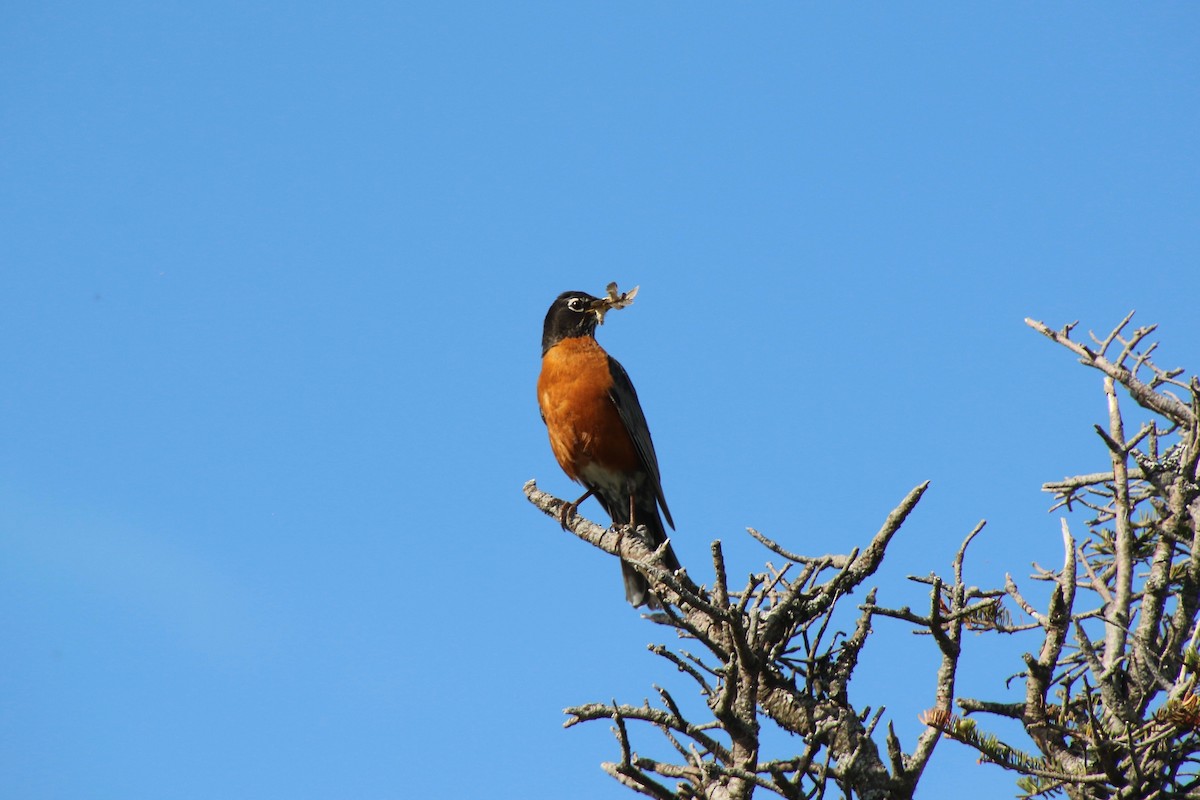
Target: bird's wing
(625,397)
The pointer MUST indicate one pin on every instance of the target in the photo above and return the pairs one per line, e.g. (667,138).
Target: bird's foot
(569,510)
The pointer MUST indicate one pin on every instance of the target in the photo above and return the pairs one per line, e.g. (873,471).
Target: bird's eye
(575,304)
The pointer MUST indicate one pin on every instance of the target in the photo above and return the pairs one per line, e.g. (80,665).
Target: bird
(597,429)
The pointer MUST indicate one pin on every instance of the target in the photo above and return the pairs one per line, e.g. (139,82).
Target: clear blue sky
(273,277)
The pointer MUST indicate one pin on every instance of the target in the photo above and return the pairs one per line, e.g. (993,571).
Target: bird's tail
(637,588)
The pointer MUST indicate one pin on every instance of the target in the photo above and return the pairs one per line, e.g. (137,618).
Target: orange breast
(583,423)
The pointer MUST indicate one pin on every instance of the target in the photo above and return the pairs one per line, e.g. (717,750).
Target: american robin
(597,429)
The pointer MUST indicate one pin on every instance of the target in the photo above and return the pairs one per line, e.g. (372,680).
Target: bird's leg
(569,509)
(632,515)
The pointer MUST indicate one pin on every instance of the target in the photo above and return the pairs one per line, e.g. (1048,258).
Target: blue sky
(273,280)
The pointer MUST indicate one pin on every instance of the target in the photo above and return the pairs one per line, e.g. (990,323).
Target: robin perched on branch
(597,429)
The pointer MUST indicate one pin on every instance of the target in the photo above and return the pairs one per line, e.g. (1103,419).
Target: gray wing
(625,397)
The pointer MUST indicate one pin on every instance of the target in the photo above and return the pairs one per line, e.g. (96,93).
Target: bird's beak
(600,308)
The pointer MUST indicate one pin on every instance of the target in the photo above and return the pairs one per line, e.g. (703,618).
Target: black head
(572,314)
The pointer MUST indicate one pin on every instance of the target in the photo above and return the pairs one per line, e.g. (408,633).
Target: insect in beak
(612,301)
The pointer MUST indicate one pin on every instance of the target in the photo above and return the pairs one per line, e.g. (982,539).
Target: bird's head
(572,314)
(578,313)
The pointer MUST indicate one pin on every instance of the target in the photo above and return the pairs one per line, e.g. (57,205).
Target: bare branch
(1168,407)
